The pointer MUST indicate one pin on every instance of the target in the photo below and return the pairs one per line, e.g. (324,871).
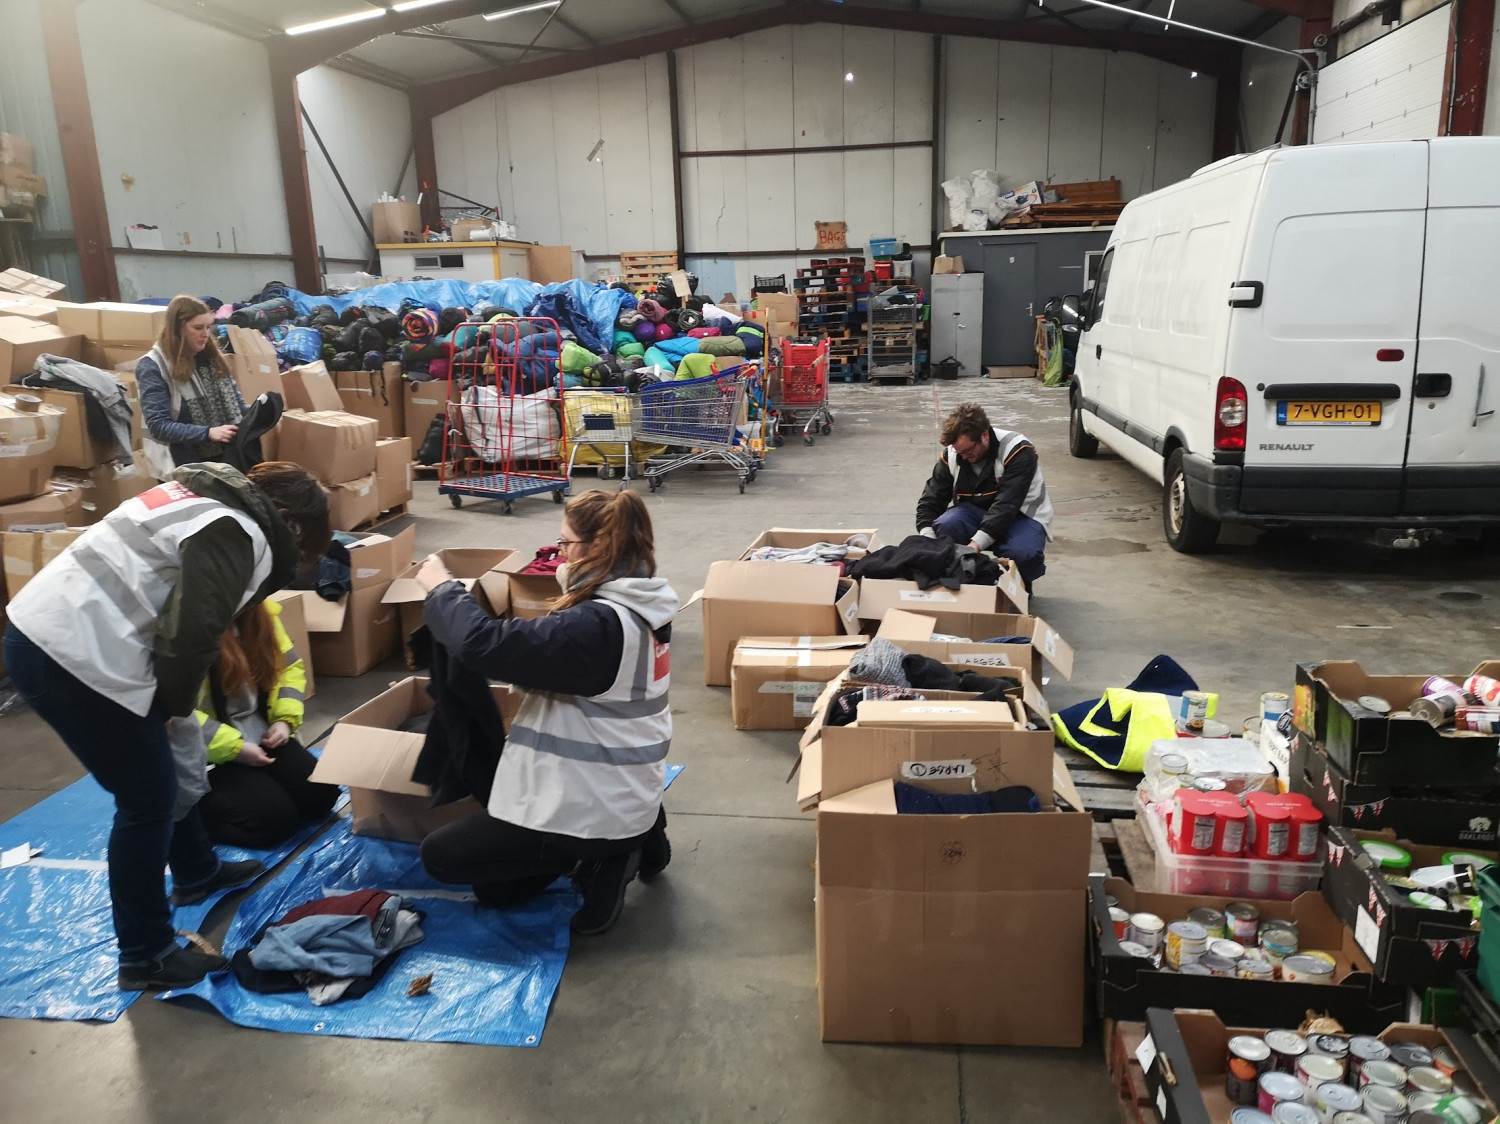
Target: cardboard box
(20,282)
(464,230)
(99,490)
(945,264)
(950,929)
(352,503)
(15,152)
(332,445)
(550,264)
(310,387)
(774,681)
(393,472)
(532,595)
(877,596)
(486,572)
(23,341)
(783,308)
(378,395)
(32,308)
(795,537)
(253,363)
(76,447)
(1037,641)
(771,598)
(48,511)
(1127,985)
(109,357)
(396,222)
(367,752)
(1409,945)
(424,401)
(946,715)
(114,323)
(1456,818)
(293,604)
(26,552)
(375,560)
(22,181)
(28,446)
(350,636)
(1371,748)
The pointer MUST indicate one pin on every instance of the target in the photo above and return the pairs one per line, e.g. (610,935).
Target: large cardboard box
(352,503)
(49,511)
(253,363)
(99,490)
(950,929)
(395,222)
(23,341)
(27,284)
(28,445)
(332,445)
(111,323)
(532,595)
(393,472)
(424,401)
(369,753)
(76,446)
(26,552)
(774,681)
(350,636)
(310,387)
(1035,641)
(378,395)
(771,599)
(112,356)
(550,264)
(484,571)
(15,152)
(293,604)
(32,308)
(877,596)
(794,537)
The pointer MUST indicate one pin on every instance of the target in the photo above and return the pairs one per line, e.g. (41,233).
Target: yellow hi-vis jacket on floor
(284,702)
(1148,717)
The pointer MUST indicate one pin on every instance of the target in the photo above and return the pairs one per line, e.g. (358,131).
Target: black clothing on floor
(465,733)
(261,806)
(928,562)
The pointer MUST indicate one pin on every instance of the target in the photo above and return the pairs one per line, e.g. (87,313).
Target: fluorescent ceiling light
(413,5)
(524,8)
(336,21)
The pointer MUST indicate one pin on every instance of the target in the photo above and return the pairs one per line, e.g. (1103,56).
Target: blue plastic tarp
(588,311)
(57,939)
(512,292)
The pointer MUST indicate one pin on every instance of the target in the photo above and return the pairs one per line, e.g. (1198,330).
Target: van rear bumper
(1432,497)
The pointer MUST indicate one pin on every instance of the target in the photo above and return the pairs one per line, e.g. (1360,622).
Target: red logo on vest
(663,659)
(164,494)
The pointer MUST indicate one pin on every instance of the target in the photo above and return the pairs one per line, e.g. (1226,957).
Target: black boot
(602,884)
(182,967)
(656,852)
(230,874)
(516,891)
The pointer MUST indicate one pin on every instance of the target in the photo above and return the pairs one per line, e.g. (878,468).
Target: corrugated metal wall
(26,110)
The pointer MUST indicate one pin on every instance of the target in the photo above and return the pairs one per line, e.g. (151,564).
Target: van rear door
(1323,335)
(1453,456)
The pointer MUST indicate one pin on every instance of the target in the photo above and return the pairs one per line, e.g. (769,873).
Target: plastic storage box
(1225,877)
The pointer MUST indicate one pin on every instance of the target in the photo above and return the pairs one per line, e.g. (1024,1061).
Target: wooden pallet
(1066,214)
(1106,794)
(1089,191)
(647,267)
(1129,1080)
(390,515)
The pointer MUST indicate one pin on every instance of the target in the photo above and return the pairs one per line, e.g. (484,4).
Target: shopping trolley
(804,387)
(602,419)
(699,418)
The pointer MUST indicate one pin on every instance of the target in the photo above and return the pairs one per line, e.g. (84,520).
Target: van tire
(1187,530)
(1081,443)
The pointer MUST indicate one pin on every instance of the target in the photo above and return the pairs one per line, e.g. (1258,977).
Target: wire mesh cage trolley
(893,339)
(804,387)
(503,440)
(699,419)
(601,419)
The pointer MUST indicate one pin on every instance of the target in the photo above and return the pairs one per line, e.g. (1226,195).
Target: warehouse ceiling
(467,43)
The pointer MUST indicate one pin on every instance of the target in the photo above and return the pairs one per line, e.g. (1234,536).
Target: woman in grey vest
(190,403)
(579,785)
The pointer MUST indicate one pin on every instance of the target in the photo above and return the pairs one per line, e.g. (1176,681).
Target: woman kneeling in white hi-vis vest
(578,790)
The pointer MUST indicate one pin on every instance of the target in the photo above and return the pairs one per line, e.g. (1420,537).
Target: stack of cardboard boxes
(381,397)
(21,189)
(339,449)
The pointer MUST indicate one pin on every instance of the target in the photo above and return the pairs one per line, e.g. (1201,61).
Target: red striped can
(1485,689)
(1478,719)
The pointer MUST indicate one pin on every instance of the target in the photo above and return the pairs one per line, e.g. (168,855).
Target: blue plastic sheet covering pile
(57,940)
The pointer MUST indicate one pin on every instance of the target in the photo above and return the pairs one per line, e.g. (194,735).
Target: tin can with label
(1420,1102)
(1250,1116)
(1278,940)
(1273,704)
(1194,828)
(1302,968)
(1146,929)
(1276,1087)
(1216,965)
(1287,1046)
(1332,1097)
(1428,1079)
(1444,1061)
(1244,921)
(1228,949)
(1139,951)
(1314,1070)
(1291,1112)
(1194,968)
(1383,1105)
(1330,1046)
(1246,1062)
(1351,1118)
(1483,688)
(1411,1055)
(1120,920)
(1186,942)
(1212,921)
(1441,709)
(1478,719)
(1255,970)
(1437,685)
(1457,1109)
(1362,1049)
(1386,1073)
(1194,709)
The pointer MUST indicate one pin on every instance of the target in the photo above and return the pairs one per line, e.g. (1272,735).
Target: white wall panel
(1128,149)
(1021,113)
(771,203)
(768,88)
(818,85)
(1389,90)
(973,71)
(870,99)
(1076,130)
(1492,98)
(1184,125)
(913,87)
(1265,79)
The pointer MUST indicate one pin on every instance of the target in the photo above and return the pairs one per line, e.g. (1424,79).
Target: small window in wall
(438,261)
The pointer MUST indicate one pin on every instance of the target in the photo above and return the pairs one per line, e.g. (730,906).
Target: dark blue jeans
(130,758)
(1024,541)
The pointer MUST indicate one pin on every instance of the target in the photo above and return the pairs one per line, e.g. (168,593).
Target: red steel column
(295,184)
(1469,67)
(425,151)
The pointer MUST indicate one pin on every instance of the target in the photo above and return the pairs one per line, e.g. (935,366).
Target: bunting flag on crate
(1335,853)
(1376,807)
(1379,914)
(1438,948)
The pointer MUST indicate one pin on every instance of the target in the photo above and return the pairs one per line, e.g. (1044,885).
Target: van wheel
(1081,443)
(1187,529)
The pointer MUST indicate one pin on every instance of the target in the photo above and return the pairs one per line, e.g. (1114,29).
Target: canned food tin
(1326,957)
(1364,1049)
(1250,1116)
(1383,1105)
(1216,965)
(1146,929)
(1186,941)
(1444,1061)
(1483,688)
(1278,940)
(1247,1059)
(1139,951)
(1173,764)
(1120,920)
(1420,1102)
(1410,1054)
(1424,900)
(1273,704)
(1275,1088)
(1195,824)
(1387,855)
(1375,703)
(1255,970)
(1244,921)
(1314,1070)
(1389,1074)
(1427,1079)
(1209,784)
(1290,1112)
(1437,685)
(1351,1118)
(1334,1096)
(1194,968)
(1330,1046)
(1457,1109)
(1213,728)
(1478,719)
(1211,920)
(1286,1047)
(1302,968)
(1193,709)
(1467,858)
(1441,709)
(1230,950)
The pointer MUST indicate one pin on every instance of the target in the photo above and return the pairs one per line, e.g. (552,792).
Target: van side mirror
(1086,308)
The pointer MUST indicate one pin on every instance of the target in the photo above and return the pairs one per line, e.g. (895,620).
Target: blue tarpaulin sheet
(512,292)
(57,939)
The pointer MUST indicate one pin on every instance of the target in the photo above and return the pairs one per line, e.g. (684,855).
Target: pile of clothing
(929,562)
(818,553)
(883,662)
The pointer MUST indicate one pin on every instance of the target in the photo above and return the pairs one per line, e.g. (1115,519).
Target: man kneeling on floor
(987,491)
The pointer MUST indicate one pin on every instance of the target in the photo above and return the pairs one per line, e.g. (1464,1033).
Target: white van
(1305,336)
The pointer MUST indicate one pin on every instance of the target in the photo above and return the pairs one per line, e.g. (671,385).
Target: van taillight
(1230,413)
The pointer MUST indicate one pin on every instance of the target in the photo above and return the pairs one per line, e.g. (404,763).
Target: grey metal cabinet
(958,320)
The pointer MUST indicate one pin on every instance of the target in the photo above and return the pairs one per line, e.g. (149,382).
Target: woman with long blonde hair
(189,401)
(579,785)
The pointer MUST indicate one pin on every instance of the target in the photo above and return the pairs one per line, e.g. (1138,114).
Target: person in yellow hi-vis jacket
(251,708)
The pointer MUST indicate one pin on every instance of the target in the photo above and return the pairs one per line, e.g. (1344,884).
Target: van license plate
(1328,413)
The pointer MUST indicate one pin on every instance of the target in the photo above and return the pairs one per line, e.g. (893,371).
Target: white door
(1391,89)
(1453,457)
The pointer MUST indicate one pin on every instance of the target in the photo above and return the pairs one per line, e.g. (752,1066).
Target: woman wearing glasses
(579,786)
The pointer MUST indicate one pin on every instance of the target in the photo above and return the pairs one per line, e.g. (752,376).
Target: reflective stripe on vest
(1036,505)
(592,767)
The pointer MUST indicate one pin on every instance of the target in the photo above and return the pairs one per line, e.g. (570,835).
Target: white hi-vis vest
(592,767)
(1036,504)
(94,609)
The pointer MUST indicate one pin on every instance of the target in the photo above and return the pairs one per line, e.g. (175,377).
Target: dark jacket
(1001,489)
(183,437)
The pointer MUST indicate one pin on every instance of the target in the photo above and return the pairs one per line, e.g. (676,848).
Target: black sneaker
(603,885)
(656,853)
(230,874)
(182,967)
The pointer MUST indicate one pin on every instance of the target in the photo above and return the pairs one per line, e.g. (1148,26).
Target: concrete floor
(701,1005)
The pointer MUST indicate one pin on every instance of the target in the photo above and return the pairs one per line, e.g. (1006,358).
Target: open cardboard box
(23,341)
(484,571)
(28,448)
(531,595)
(26,552)
(51,511)
(807,536)
(877,596)
(774,681)
(951,929)
(310,387)
(350,636)
(253,363)
(770,599)
(372,757)
(76,446)
(1042,642)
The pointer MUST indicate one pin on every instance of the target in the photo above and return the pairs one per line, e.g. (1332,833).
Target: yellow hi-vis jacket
(284,703)
(1150,719)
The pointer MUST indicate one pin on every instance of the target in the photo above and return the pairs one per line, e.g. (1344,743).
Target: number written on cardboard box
(933,770)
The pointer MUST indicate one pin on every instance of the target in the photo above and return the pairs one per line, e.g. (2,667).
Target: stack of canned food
(1231,942)
(1473,706)
(1447,887)
(1287,1078)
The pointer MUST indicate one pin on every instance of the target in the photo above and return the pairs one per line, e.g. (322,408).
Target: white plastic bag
(958,193)
(498,429)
